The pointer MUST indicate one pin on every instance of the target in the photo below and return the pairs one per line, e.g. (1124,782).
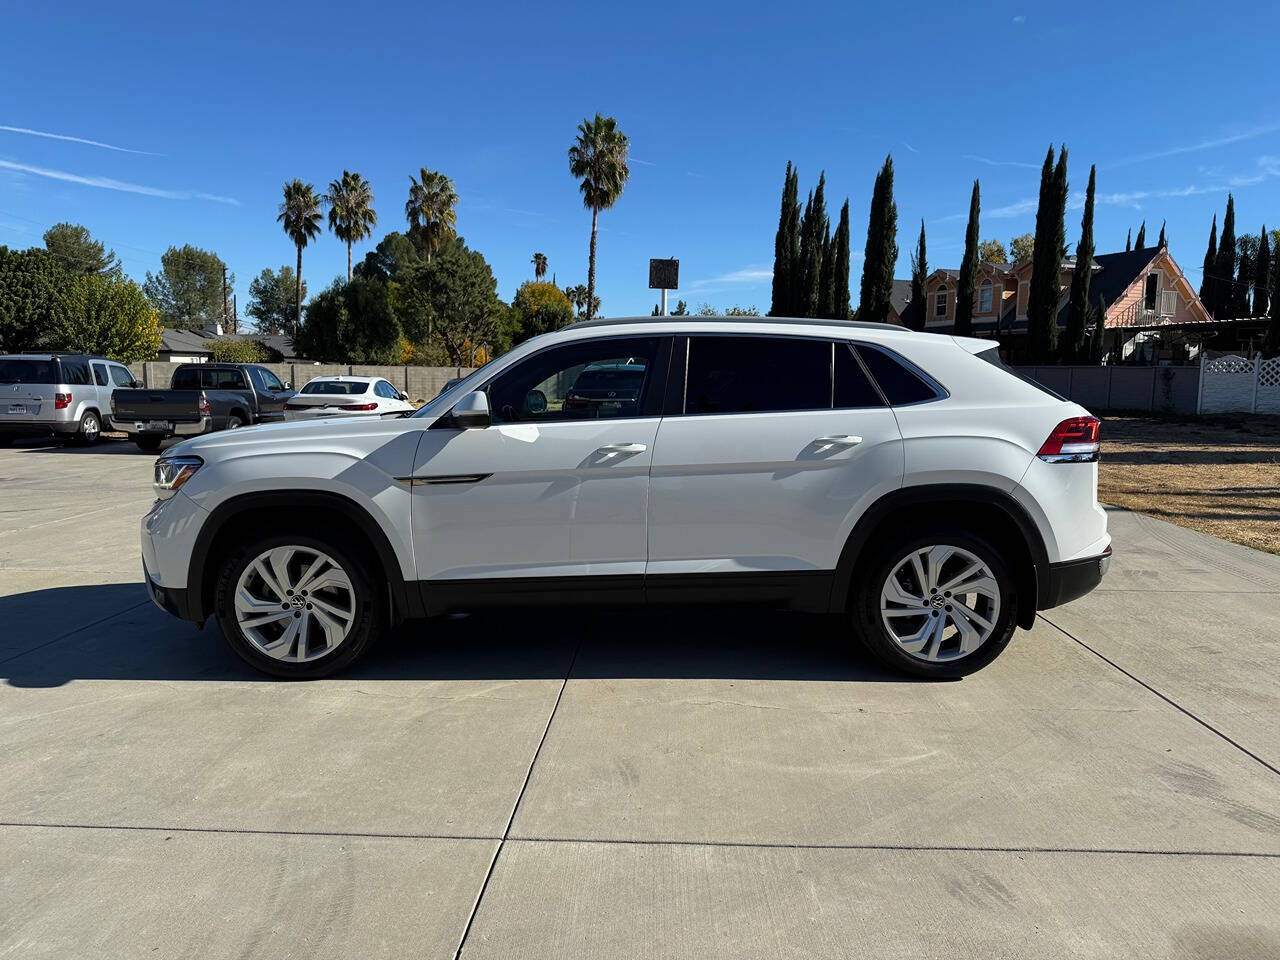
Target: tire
(234,422)
(5,441)
(311,652)
(148,444)
(937,657)
(89,431)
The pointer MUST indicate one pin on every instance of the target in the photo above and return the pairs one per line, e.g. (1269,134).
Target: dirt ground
(1219,475)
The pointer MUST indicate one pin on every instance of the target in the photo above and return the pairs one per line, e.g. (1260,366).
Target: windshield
(335,386)
(451,394)
(28,371)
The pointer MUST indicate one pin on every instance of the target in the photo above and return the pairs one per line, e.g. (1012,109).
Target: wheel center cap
(299,601)
(938,600)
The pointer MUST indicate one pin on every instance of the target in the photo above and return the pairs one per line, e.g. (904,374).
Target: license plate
(17,408)
(157,424)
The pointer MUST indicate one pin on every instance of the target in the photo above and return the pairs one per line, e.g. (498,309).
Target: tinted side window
(384,389)
(852,389)
(757,375)
(900,384)
(186,378)
(265,380)
(100,374)
(222,379)
(121,377)
(602,379)
(75,372)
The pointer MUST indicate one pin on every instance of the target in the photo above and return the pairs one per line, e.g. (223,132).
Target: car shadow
(136,641)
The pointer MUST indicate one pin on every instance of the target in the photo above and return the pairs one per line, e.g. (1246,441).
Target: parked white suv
(906,481)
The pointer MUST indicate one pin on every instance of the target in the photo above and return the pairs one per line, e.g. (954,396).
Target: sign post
(664,275)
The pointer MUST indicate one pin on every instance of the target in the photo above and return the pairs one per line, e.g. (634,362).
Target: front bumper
(186,429)
(169,599)
(1067,581)
(168,535)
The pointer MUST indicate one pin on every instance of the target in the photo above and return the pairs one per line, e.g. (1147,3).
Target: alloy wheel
(940,603)
(295,603)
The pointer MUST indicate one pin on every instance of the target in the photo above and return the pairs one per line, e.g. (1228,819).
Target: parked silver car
(64,394)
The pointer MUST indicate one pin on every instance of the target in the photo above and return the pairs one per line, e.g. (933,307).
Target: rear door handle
(842,440)
(609,449)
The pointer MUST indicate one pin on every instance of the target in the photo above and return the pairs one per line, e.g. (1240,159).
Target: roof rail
(797,321)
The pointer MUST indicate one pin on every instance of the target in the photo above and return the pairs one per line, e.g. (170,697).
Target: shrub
(241,351)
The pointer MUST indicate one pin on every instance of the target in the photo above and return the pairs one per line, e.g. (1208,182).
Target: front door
(553,494)
(778,446)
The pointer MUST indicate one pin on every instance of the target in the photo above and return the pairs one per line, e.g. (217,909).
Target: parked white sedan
(347,397)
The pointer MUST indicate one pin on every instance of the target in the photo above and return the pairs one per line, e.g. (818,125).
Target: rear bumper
(37,428)
(139,427)
(1067,581)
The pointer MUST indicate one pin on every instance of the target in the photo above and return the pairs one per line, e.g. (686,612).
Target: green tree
(1046,263)
(351,213)
(814,226)
(786,246)
(301,218)
(188,289)
(539,266)
(395,253)
(681,310)
(840,265)
(598,159)
(1262,275)
(271,300)
(540,308)
(1021,247)
(992,251)
(1210,264)
(453,302)
(919,275)
(1078,310)
(1162,242)
(1128,240)
(1141,242)
(430,209)
(108,315)
(827,278)
(881,251)
(1224,267)
(351,323)
(1272,344)
(226,350)
(737,311)
(77,251)
(968,269)
(1247,252)
(32,282)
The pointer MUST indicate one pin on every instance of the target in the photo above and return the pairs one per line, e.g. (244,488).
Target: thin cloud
(746,276)
(1000,163)
(1019,19)
(643,163)
(1202,145)
(92,143)
(910,147)
(107,183)
(1016,209)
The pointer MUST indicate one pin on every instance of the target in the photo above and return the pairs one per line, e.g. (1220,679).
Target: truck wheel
(297,606)
(90,430)
(234,422)
(149,444)
(937,603)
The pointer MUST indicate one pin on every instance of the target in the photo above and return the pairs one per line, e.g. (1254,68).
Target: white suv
(908,482)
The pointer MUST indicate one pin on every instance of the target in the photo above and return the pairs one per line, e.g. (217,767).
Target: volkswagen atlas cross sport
(908,482)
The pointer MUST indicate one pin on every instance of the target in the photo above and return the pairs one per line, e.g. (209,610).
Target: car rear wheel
(234,422)
(937,604)
(299,607)
(89,431)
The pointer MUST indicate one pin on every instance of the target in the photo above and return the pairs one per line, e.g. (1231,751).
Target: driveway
(674,785)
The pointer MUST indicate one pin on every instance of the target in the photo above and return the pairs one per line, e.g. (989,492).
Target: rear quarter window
(75,372)
(993,357)
(900,384)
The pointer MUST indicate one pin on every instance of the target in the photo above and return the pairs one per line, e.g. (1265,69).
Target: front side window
(121,377)
(265,380)
(940,303)
(598,380)
(984,297)
(757,375)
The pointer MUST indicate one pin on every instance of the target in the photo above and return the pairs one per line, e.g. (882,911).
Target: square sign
(664,274)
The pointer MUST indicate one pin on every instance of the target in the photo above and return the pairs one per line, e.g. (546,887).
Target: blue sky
(215,106)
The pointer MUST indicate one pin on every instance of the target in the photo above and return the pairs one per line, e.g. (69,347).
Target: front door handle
(842,440)
(609,449)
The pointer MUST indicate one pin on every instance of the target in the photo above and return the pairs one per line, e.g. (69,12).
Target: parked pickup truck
(202,397)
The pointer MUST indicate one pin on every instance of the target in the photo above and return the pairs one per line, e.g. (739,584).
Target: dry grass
(1219,475)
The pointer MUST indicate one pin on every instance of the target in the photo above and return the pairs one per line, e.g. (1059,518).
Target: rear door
(765,459)
(102,386)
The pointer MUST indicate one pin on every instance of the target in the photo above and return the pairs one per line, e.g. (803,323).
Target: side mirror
(472,411)
(137,384)
(288,384)
(404,396)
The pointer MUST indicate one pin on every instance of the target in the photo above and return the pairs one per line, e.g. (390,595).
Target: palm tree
(539,262)
(301,217)
(430,207)
(351,213)
(599,160)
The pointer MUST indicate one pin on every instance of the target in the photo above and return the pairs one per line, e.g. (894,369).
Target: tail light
(1073,441)
(362,406)
(61,401)
(205,409)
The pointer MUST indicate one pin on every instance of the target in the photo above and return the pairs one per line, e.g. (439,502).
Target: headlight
(173,472)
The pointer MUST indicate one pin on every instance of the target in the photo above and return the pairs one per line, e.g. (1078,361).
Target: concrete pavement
(710,784)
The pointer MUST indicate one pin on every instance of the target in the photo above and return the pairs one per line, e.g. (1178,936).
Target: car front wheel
(298,607)
(938,604)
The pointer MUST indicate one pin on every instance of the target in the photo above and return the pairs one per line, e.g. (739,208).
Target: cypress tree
(881,252)
(1078,310)
(1128,240)
(1210,261)
(785,245)
(1272,345)
(1244,279)
(1099,317)
(1225,266)
(814,228)
(826,278)
(1046,259)
(1162,242)
(919,274)
(1141,242)
(799,297)
(1262,276)
(968,270)
(841,266)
